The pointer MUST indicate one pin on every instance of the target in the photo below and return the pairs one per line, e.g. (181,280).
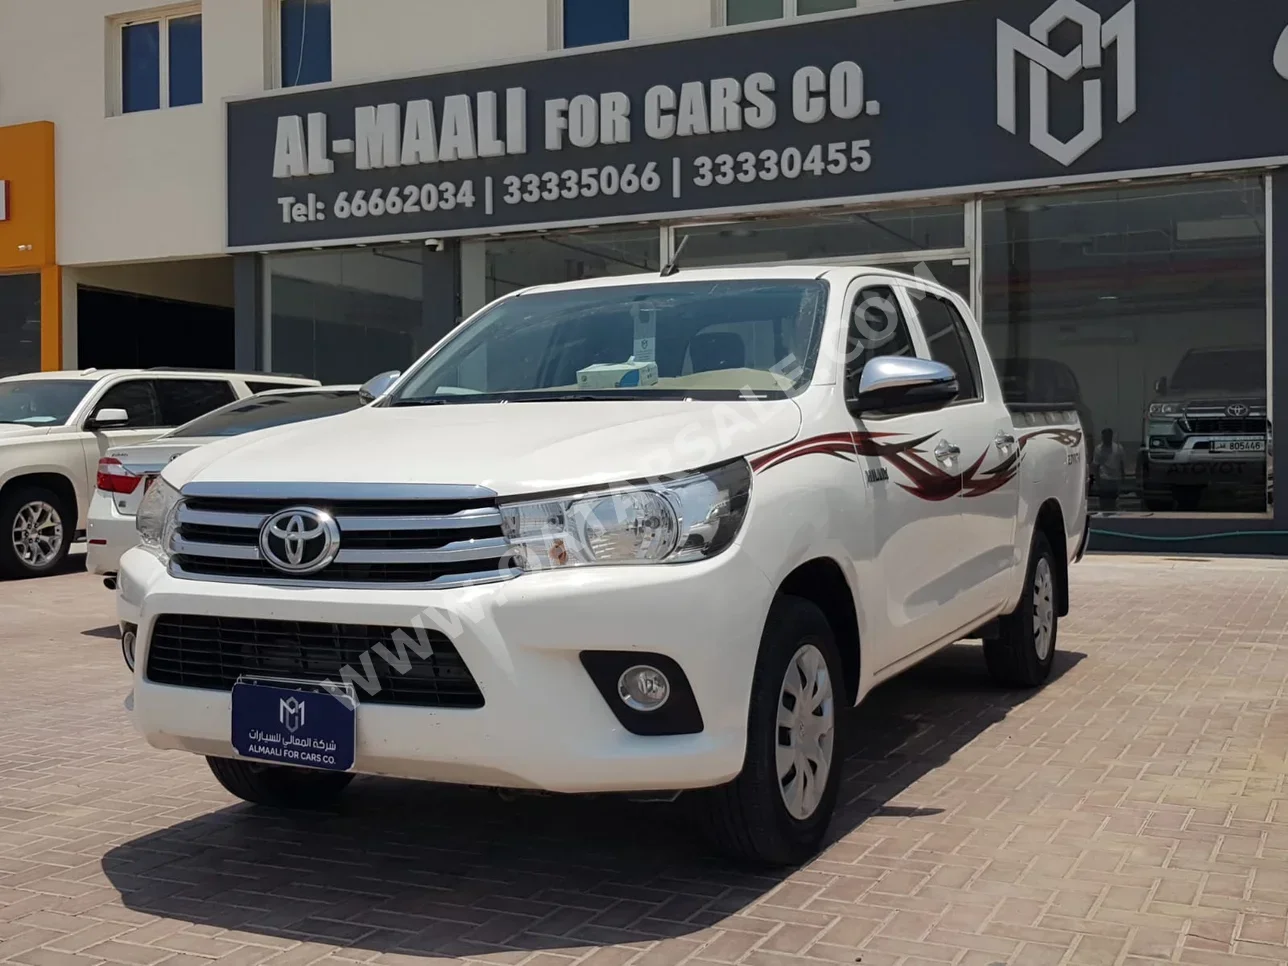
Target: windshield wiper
(426,401)
(612,395)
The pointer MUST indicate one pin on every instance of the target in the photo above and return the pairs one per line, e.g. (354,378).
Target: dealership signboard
(919,100)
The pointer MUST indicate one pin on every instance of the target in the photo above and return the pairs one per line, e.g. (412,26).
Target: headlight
(1166,409)
(155,519)
(690,518)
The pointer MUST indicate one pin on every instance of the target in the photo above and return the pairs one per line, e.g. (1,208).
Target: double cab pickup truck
(647,534)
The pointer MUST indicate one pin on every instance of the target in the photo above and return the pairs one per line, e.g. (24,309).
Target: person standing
(1109,465)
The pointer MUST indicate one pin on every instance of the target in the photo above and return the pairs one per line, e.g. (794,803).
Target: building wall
(150,185)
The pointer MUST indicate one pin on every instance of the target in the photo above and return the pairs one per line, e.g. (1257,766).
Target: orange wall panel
(27,164)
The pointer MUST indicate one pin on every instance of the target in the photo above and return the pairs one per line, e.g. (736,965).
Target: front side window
(40,402)
(877,328)
(265,412)
(702,340)
(305,35)
(587,22)
(950,343)
(138,398)
(160,62)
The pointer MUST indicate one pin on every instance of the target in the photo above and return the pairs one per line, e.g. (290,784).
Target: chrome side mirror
(901,384)
(377,386)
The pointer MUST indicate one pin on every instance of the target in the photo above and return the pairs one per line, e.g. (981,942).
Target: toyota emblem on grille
(1238,410)
(300,540)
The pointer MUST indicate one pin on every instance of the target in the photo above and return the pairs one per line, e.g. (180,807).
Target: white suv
(55,426)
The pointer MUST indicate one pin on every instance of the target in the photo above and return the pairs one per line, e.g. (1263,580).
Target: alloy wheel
(37,535)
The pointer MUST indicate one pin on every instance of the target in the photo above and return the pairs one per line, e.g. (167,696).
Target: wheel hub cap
(1043,609)
(806,732)
(37,534)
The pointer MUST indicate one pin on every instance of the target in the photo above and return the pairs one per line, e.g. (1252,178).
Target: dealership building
(326,187)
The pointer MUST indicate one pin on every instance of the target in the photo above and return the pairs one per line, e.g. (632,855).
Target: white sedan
(126,472)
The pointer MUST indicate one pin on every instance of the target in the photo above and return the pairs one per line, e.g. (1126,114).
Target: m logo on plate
(291,714)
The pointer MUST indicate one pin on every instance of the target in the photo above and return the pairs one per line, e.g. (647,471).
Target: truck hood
(511,448)
(10,433)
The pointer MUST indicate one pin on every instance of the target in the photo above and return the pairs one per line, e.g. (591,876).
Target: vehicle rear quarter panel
(1053,467)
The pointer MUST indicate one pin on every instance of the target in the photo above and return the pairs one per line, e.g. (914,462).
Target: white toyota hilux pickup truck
(648,534)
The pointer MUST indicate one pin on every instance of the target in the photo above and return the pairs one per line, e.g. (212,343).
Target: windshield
(706,340)
(265,412)
(1236,370)
(41,402)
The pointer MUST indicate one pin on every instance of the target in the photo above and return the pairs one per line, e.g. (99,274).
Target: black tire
(279,786)
(1014,657)
(748,819)
(11,563)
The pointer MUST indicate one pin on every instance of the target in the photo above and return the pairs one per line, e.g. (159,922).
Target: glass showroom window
(754,11)
(1147,308)
(344,316)
(928,242)
(304,29)
(160,62)
(19,324)
(498,266)
(587,22)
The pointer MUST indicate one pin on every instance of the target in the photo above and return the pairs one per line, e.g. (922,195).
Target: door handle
(1004,441)
(946,451)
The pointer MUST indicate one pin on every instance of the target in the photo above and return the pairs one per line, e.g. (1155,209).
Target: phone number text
(790,163)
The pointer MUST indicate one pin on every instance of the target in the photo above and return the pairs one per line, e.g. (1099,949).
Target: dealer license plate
(1238,445)
(294,723)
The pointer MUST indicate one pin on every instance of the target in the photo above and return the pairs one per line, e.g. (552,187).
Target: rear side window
(138,399)
(183,400)
(950,343)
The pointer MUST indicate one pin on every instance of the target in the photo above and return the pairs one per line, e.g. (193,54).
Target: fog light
(643,688)
(128,636)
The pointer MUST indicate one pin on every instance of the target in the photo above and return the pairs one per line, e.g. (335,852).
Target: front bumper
(544,724)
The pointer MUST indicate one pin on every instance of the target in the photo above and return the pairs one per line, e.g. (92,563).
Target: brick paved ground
(1132,812)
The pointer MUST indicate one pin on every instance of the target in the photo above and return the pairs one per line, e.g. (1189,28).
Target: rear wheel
(776,812)
(279,786)
(35,532)
(1023,652)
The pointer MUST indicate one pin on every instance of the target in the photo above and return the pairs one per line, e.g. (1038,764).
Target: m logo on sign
(1098,35)
(291,714)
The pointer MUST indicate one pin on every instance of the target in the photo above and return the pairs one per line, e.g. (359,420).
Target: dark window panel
(141,67)
(589,22)
(185,60)
(306,42)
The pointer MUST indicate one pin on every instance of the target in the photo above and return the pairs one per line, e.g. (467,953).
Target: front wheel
(1023,652)
(777,810)
(279,786)
(35,532)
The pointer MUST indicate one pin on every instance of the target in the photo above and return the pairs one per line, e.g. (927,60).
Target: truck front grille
(213,652)
(1226,425)
(452,536)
